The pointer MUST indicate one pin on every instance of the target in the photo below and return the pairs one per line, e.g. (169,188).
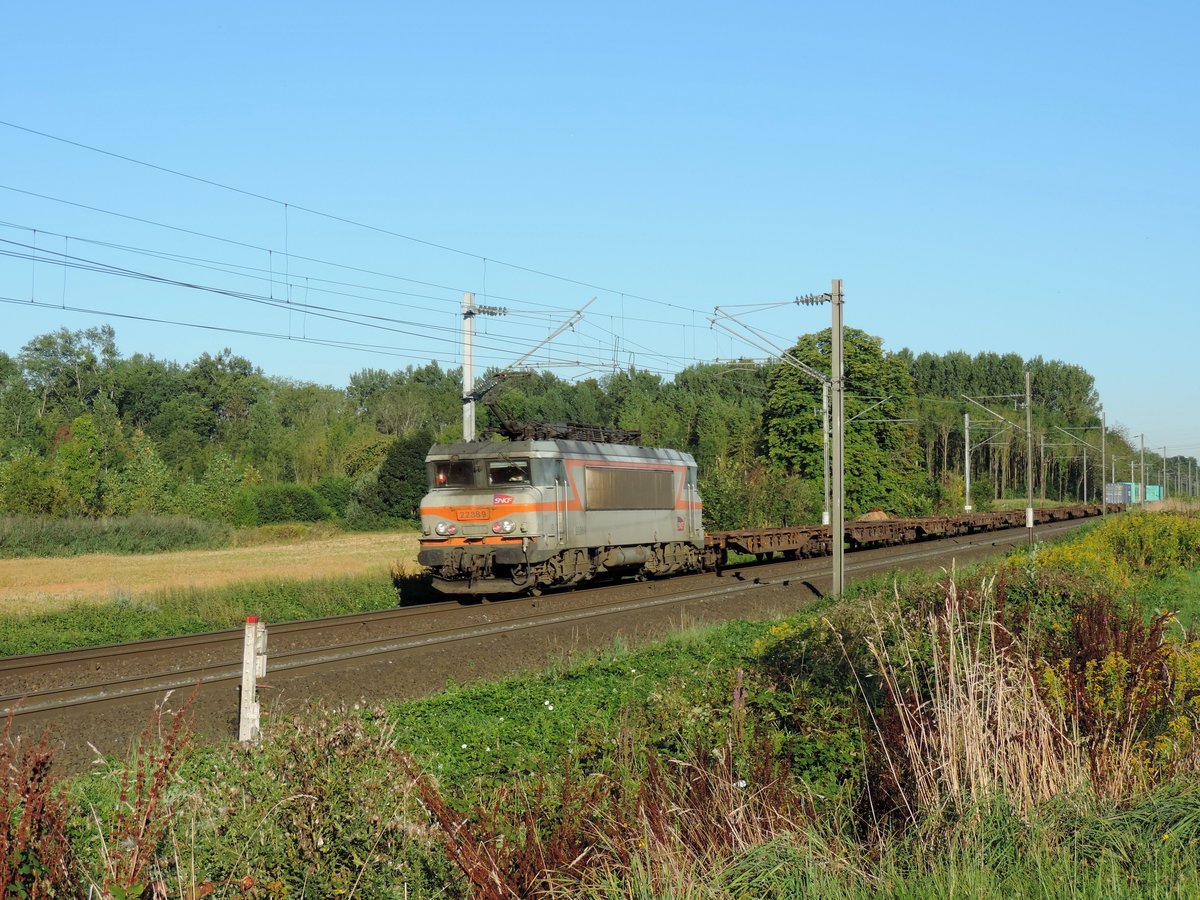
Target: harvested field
(42,584)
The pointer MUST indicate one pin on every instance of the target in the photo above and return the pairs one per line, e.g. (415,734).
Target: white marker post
(254,666)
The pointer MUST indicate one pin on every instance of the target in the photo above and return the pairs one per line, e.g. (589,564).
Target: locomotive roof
(555,449)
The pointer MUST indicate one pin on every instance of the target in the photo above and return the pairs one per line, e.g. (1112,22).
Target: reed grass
(970,714)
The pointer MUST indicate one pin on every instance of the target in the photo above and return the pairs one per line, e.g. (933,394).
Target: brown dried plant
(965,720)
(36,858)
(131,842)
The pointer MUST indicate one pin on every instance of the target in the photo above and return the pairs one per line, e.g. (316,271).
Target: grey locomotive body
(513,516)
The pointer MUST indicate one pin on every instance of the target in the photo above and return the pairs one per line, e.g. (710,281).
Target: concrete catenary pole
(1164,487)
(1103,461)
(1143,469)
(837,378)
(1042,466)
(1029,457)
(825,461)
(966,462)
(468,337)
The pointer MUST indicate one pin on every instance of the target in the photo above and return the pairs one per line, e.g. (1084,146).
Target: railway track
(402,648)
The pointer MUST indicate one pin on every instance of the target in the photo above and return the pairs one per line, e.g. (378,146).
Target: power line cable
(342,219)
(498,355)
(74,262)
(271,251)
(380,349)
(295,280)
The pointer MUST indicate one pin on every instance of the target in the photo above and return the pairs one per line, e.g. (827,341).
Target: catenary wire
(341,219)
(48,257)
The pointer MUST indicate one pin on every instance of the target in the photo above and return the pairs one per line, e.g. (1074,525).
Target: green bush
(22,536)
(392,492)
(365,512)
(319,809)
(271,504)
(336,492)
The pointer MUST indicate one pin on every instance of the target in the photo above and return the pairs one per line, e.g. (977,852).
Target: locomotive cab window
(454,474)
(508,471)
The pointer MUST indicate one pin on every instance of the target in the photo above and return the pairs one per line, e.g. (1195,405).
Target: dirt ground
(50,583)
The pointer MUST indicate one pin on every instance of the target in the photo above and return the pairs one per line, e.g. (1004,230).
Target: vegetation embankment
(1024,729)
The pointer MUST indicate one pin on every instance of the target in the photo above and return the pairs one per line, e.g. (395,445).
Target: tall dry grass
(965,720)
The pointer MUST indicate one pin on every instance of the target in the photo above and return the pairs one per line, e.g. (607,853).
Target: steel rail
(332,655)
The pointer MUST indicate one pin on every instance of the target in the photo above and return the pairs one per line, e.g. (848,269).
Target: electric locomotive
(505,517)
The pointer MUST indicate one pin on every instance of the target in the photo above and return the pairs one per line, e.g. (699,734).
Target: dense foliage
(87,432)
(881,449)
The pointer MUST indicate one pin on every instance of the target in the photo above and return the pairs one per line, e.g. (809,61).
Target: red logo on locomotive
(679,523)
(502,499)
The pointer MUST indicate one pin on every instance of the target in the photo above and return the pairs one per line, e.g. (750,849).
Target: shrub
(757,496)
(318,808)
(335,491)
(365,510)
(214,496)
(393,491)
(270,504)
(28,485)
(286,533)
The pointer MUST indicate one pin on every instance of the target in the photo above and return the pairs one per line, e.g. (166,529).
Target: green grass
(1178,593)
(191,611)
(481,735)
(25,536)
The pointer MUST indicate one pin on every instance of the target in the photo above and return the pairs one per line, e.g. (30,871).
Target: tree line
(86,431)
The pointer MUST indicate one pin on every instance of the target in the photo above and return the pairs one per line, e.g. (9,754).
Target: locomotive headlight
(445,528)
(504,527)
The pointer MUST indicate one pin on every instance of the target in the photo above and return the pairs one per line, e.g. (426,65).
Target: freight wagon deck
(805,541)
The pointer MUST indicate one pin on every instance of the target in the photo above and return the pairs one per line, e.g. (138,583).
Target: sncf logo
(679,524)
(502,499)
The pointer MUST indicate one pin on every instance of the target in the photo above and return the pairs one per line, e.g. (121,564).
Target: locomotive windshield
(508,471)
(460,473)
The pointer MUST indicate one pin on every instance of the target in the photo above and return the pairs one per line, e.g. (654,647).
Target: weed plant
(26,536)
(35,850)
(320,808)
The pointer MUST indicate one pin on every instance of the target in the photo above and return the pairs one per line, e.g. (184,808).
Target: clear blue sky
(1010,177)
